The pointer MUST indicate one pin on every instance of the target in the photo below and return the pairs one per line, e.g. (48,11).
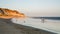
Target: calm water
(52,18)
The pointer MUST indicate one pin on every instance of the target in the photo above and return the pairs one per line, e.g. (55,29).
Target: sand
(8,27)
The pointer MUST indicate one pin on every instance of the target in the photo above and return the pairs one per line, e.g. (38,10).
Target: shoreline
(8,27)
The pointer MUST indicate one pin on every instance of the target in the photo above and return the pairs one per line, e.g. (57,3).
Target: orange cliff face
(8,14)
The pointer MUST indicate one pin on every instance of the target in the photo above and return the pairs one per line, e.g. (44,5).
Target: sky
(33,7)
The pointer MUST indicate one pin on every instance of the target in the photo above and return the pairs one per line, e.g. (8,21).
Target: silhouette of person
(42,20)
(24,21)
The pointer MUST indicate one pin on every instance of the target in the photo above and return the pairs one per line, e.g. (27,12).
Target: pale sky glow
(34,7)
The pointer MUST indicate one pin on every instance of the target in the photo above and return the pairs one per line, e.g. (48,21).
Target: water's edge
(8,27)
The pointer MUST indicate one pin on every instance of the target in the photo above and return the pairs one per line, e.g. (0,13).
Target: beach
(8,27)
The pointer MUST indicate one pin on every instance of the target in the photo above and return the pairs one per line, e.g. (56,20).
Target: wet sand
(8,27)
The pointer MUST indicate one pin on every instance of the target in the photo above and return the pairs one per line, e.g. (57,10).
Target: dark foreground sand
(8,27)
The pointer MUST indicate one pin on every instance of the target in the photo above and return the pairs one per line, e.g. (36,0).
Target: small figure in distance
(24,21)
(42,20)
